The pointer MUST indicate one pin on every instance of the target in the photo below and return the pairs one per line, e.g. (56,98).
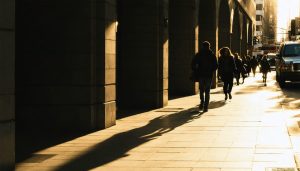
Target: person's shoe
(230,96)
(201,106)
(226,97)
(205,109)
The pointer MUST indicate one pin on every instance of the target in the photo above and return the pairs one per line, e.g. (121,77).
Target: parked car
(288,62)
(272,60)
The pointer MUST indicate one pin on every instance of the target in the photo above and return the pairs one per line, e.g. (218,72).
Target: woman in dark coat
(239,67)
(226,70)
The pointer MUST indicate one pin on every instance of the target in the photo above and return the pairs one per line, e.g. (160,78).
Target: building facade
(270,22)
(266,22)
(69,67)
(260,20)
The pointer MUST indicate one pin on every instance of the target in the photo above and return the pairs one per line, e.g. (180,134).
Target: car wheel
(277,77)
(281,82)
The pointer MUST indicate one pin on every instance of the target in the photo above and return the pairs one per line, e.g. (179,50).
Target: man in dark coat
(205,64)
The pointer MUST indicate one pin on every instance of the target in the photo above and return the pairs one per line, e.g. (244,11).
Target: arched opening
(207,26)
(236,33)
(141,56)
(244,43)
(182,29)
(224,24)
(250,34)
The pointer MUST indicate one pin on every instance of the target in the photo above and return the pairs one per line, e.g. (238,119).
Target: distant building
(295,29)
(266,19)
(269,35)
(259,22)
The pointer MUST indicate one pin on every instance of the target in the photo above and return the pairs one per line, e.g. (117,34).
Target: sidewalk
(247,133)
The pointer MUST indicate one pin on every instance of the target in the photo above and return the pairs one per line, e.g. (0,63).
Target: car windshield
(291,50)
(271,56)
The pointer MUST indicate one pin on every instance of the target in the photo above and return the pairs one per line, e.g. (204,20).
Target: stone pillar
(236,33)
(250,37)
(208,27)
(103,63)
(224,25)
(182,26)
(65,66)
(142,71)
(7,85)
(244,42)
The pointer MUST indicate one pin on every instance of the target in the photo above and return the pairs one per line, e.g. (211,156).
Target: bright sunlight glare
(287,10)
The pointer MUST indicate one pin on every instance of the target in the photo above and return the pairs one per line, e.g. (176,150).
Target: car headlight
(287,66)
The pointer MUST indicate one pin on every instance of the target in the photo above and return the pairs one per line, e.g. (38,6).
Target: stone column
(182,26)
(236,33)
(103,63)
(250,37)
(224,25)
(65,66)
(208,27)
(7,85)
(142,71)
(244,42)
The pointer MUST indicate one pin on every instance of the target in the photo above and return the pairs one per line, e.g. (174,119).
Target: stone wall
(7,85)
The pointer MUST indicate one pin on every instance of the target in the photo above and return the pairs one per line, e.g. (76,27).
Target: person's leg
(207,92)
(230,85)
(201,88)
(225,88)
(265,78)
(237,77)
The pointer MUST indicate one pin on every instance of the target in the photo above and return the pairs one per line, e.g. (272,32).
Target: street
(258,130)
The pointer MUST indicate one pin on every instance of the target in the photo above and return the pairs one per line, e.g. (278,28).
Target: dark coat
(253,63)
(204,64)
(239,65)
(265,66)
(227,67)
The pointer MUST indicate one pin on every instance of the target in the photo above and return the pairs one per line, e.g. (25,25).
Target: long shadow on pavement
(216,104)
(117,146)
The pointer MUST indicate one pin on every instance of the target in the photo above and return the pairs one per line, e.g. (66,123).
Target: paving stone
(228,138)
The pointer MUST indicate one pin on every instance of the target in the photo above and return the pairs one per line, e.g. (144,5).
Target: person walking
(204,64)
(239,67)
(227,68)
(254,64)
(264,68)
(248,63)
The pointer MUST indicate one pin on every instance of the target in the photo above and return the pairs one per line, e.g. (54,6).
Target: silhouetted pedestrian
(264,68)
(254,64)
(239,68)
(205,64)
(226,70)
(248,63)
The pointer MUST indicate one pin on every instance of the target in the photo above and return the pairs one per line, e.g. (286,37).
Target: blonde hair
(223,49)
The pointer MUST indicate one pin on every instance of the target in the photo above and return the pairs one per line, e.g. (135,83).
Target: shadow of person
(216,104)
(118,145)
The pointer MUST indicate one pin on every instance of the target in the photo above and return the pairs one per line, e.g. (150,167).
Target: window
(292,50)
(258,28)
(259,7)
(258,18)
